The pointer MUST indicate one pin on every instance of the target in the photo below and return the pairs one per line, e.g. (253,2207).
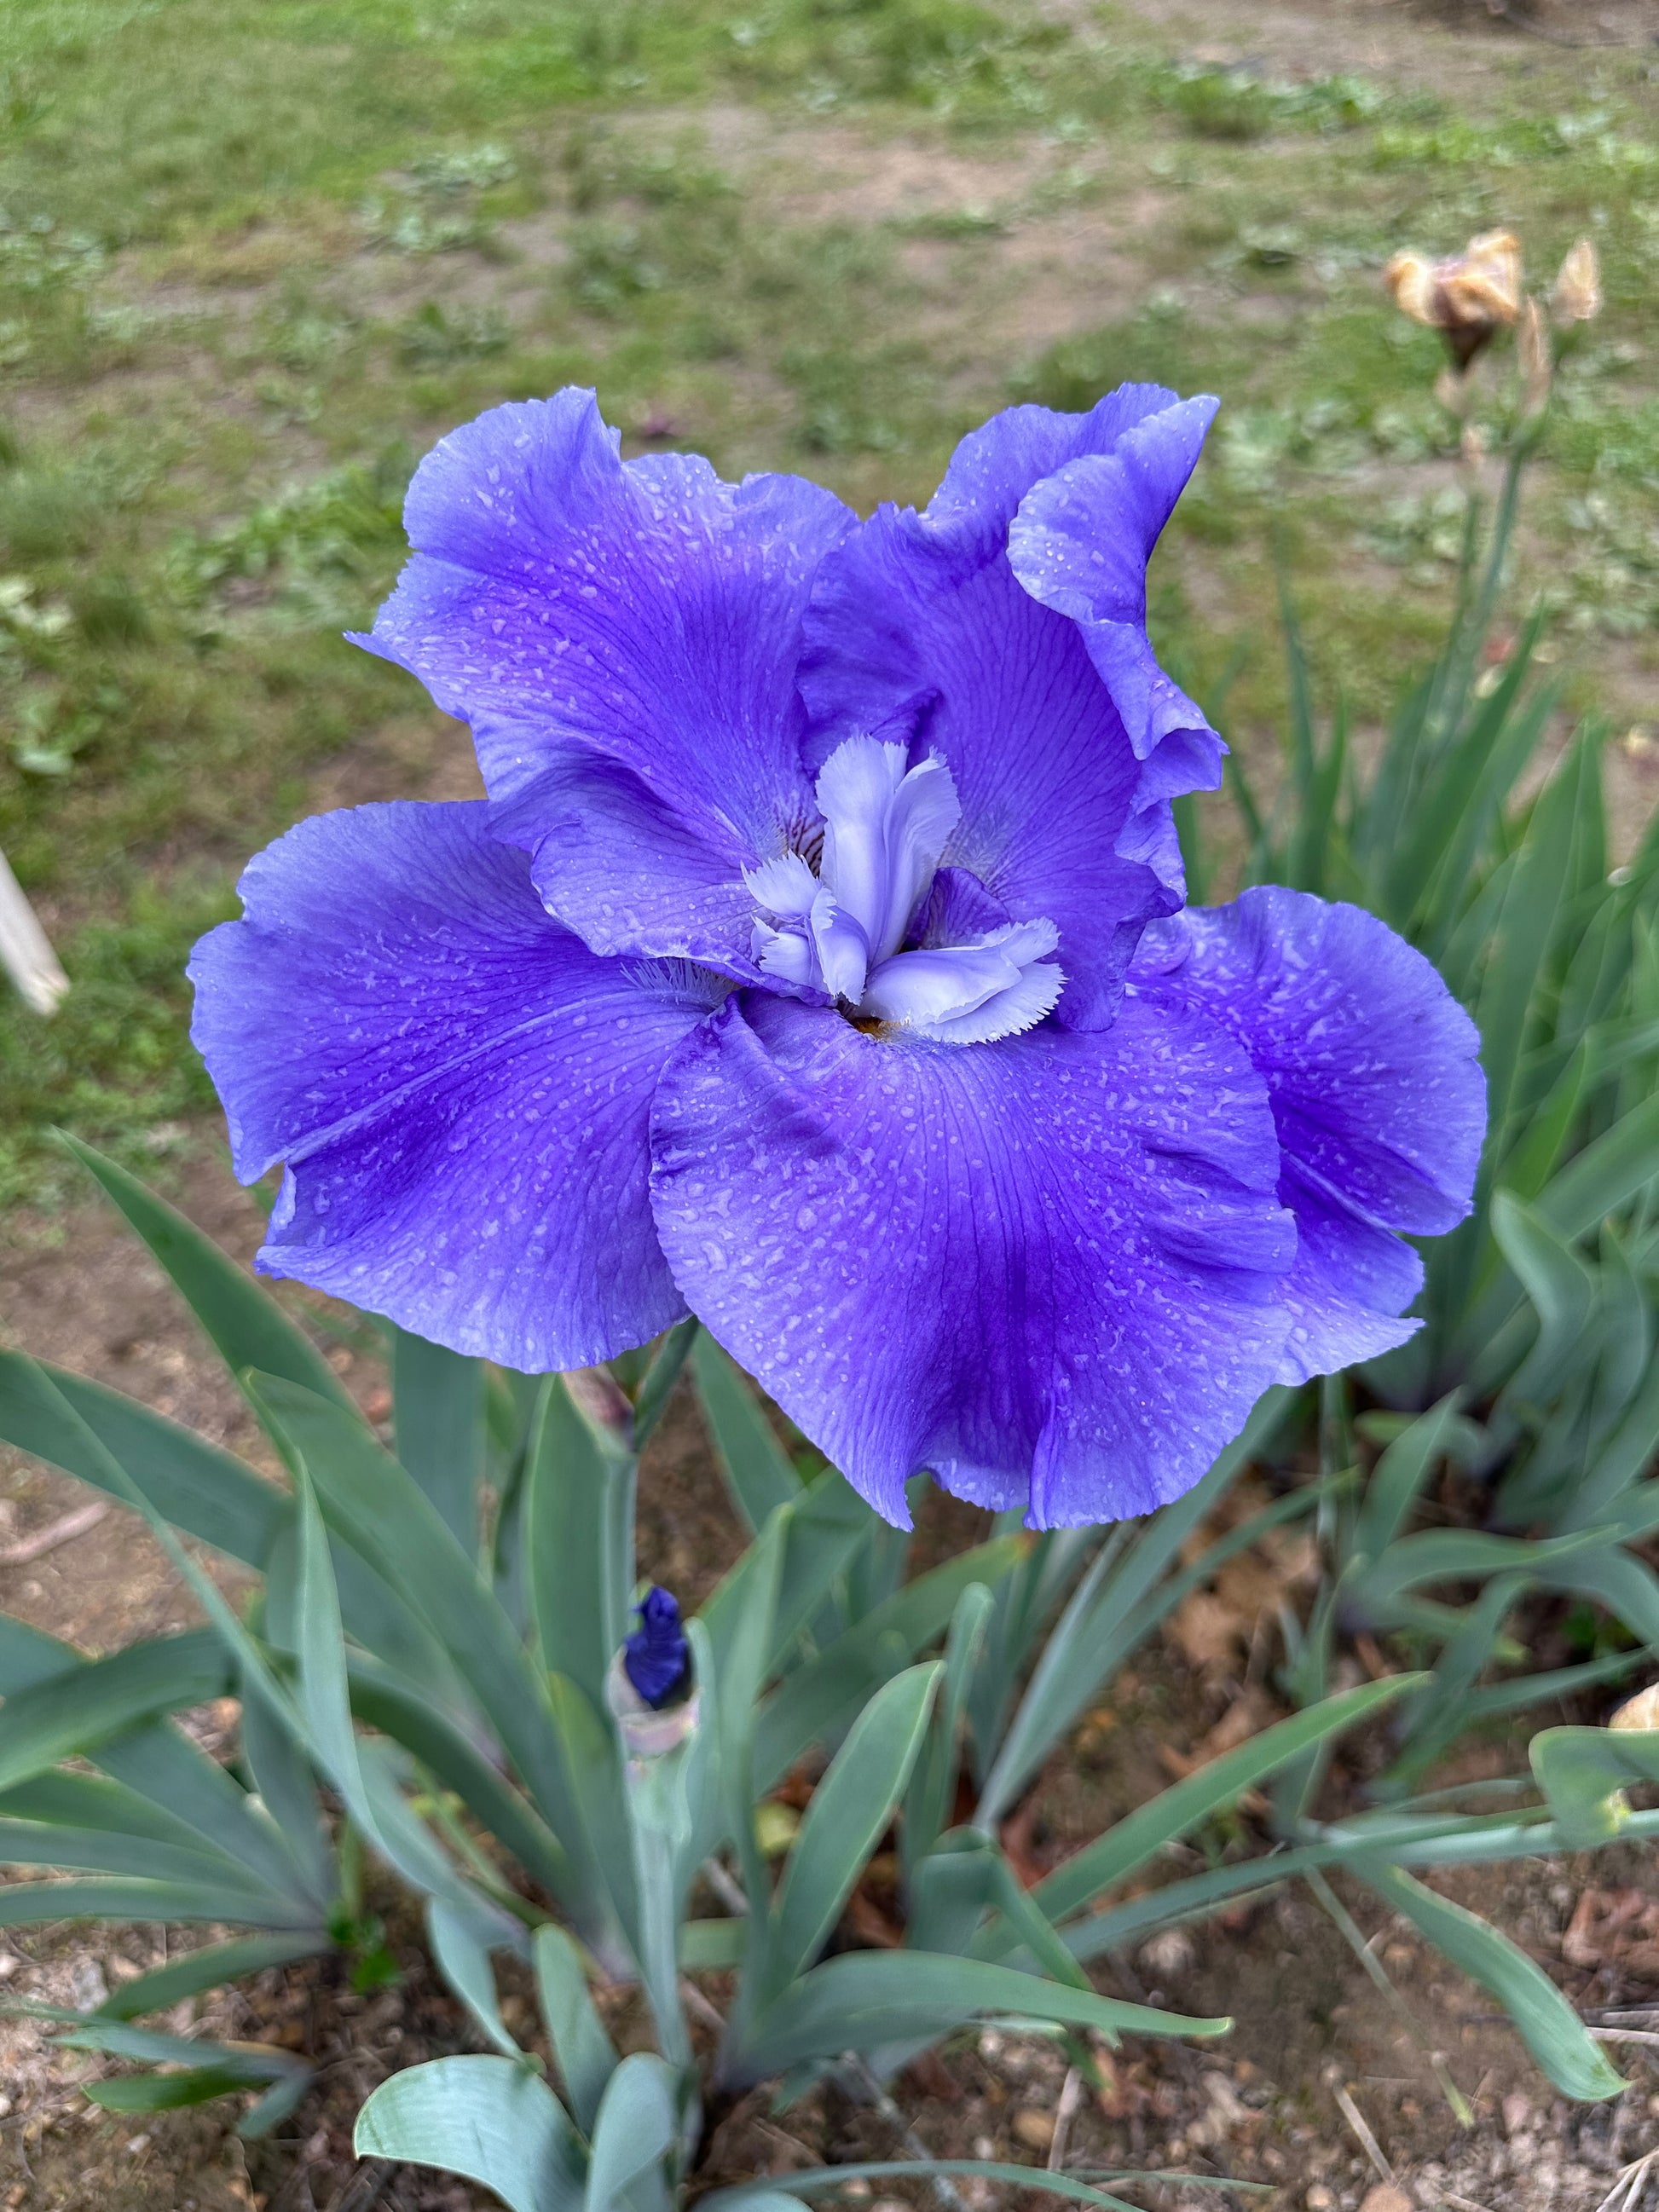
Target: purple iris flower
(818,964)
(656,1656)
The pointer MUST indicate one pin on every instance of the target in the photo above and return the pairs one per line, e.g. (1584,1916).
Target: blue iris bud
(656,1657)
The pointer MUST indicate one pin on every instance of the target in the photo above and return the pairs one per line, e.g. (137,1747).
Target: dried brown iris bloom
(1532,346)
(1469,298)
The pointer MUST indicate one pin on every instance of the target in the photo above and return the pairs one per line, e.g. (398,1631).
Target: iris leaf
(585,2055)
(248,1329)
(1174,1812)
(207,1492)
(757,1471)
(1547,2024)
(489,2119)
(634,2131)
(850,1809)
(438,1406)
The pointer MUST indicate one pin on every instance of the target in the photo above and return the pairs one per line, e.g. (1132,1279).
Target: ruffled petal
(1080,543)
(458,1088)
(995,467)
(1048,1269)
(627,869)
(923,612)
(1377,1089)
(1350,1286)
(644,608)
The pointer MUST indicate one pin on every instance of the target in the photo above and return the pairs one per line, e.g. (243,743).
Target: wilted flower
(1532,349)
(817,962)
(1469,298)
(1575,295)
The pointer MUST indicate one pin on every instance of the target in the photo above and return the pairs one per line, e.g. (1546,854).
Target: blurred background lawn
(256,255)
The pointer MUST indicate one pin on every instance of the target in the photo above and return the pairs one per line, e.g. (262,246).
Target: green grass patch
(255,259)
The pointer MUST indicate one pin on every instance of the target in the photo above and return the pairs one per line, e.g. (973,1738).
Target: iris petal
(1376,1091)
(842,950)
(458,1088)
(1080,543)
(627,870)
(924,614)
(1030,998)
(562,599)
(1048,1269)
(786,887)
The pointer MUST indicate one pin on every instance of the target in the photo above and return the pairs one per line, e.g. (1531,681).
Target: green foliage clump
(460,1692)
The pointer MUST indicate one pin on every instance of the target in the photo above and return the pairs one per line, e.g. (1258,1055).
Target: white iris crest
(885,828)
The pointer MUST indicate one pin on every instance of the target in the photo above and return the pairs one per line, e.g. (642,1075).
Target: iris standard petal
(1350,1286)
(926,610)
(645,609)
(1377,1095)
(1048,1269)
(458,1088)
(1080,543)
(996,465)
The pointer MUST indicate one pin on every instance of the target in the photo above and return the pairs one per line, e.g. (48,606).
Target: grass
(255,257)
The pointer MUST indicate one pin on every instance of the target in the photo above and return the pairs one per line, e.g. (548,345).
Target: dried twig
(363,2188)
(1065,2112)
(696,2003)
(1368,2143)
(729,1892)
(1630,2186)
(61,1531)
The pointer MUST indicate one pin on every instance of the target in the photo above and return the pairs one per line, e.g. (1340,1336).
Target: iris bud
(650,1687)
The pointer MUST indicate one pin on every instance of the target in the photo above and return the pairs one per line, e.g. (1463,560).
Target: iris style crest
(843,932)
(819,963)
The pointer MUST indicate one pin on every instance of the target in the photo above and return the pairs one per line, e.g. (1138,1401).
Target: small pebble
(1318,2198)
(1385,2197)
(1174,1952)
(88,1985)
(1034,2128)
(5,2104)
